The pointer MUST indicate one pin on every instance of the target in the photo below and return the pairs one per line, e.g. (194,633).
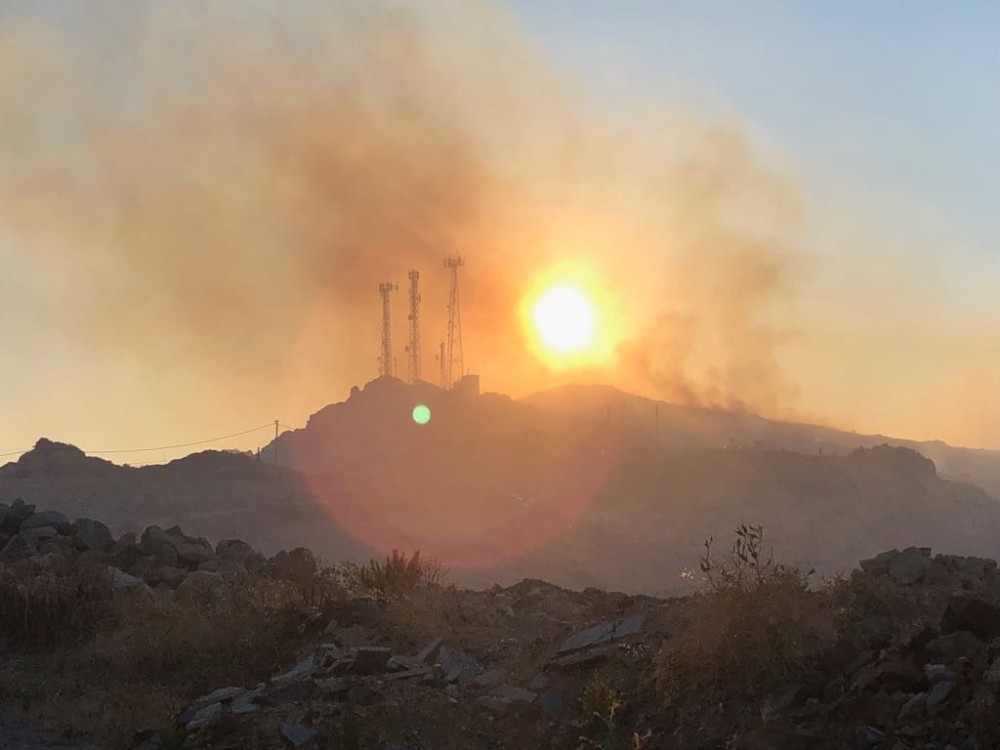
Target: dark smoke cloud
(228,183)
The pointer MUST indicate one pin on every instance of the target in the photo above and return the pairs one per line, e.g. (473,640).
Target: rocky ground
(906,656)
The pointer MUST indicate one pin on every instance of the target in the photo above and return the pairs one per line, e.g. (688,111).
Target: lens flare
(421,414)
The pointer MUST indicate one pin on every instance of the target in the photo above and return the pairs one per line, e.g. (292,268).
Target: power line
(161,447)
(183,445)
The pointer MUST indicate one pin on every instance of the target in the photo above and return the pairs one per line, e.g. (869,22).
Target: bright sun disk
(565,319)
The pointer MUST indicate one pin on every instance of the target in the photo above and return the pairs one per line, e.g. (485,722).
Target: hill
(581,486)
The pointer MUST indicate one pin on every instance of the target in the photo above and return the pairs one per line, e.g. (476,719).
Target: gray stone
(221,695)
(193,554)
(92,535)
(205,717)
(490,679)
(579,660)
(46,518)
(514,694)
(539,683)
(38,534)
(955,645)
(938,672)
(910,567)
(166,556)
(153,538)
(868,738)
(292,692)
(409,674)
(993,673)
(602,633)
(458,666)
(247,702)
(979,617)
(552,704)
(428,654)
(304,668)
(119,579)
(939,694)
(913,708)
(296,735)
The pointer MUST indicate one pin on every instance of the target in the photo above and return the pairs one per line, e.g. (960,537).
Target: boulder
(167,556)
(35,535)
(92,535)
(297,736)
(911,565)
(47,518)
(960,644)
(193,554)
(979,617)
(125,552)
(458,666)
(152,539)
(119,579)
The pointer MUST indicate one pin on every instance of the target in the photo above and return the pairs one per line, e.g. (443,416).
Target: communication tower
(385,362)
(414,346)
(454,353)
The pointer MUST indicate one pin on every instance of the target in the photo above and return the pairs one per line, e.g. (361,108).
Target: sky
(863,129)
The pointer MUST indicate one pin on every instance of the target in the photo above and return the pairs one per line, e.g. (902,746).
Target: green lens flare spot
(421,414)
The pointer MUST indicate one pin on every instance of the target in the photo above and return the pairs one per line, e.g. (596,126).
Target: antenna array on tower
(414,345)
(385,362)
(454,354)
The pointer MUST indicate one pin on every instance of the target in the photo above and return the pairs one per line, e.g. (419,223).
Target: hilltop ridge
(581,486)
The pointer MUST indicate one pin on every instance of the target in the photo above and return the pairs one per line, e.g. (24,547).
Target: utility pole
(276,442)
(385,360)
(454,324)
(414,346)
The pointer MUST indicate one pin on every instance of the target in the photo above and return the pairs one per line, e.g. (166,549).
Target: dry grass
(57,603)
(159,654)
(397,575)
(754,621)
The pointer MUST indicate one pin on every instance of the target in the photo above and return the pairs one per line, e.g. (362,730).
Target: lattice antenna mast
(414,346)
(444,367)
(385,359)
(454,353)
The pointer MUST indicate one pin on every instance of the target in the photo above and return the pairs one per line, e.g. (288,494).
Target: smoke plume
(220,188)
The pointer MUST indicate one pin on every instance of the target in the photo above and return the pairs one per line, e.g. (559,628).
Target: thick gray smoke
(226,184)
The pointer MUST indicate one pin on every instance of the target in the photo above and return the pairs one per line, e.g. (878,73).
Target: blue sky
(893,95)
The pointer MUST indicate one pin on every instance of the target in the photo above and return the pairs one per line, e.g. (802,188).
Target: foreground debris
(914,663)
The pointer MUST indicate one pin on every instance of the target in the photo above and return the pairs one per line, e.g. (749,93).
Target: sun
(565,319)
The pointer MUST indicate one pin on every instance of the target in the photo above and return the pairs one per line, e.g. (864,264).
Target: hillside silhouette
(583,486)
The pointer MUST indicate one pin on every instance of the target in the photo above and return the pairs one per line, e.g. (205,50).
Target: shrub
(753,621)
(157,654)
(601,708)
(43,606)
(397,575)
